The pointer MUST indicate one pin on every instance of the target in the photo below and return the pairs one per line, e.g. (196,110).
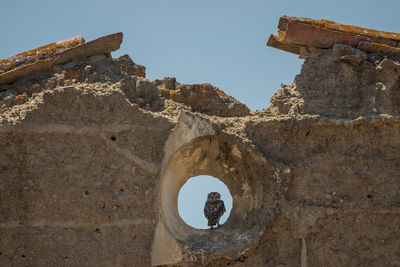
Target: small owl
(214,208)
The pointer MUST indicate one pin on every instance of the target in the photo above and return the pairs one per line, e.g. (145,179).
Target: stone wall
(93,156)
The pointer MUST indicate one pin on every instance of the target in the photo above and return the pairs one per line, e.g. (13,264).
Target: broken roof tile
(44,57)
(102,45)
(39,53)
(295,33)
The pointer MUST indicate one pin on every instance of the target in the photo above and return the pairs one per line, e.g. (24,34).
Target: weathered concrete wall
(93,156)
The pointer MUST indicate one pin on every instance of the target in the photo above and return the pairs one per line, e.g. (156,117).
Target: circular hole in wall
(251,181)
(192,198)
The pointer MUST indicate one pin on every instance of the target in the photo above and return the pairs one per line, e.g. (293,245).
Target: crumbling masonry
(93,156)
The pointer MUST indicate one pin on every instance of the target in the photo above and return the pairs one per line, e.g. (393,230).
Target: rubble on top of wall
(72,61)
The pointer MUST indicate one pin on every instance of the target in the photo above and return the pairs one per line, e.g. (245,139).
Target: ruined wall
(93,156)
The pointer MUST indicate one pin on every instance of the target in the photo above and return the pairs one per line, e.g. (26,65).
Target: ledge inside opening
(193,196)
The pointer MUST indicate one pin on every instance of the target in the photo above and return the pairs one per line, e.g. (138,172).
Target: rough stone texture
(93,156)
(366,234)
(203,98)
(343,82)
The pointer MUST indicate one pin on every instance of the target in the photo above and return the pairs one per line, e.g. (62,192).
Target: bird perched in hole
(214,208)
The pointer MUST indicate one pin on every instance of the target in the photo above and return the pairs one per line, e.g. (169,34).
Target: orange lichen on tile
(8,65)
(376,47)
(332,25)
(42,52)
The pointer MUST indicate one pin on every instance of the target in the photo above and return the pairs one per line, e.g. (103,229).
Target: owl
(213,209)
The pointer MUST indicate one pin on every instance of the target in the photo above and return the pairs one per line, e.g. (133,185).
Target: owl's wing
(222,207)
(208,209)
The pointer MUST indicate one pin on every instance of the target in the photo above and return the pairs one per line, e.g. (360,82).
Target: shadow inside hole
(193,196)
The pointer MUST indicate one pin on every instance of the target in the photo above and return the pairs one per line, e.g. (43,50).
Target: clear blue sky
(222,42)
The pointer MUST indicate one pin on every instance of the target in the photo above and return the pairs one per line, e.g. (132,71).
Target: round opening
(252,182)
(193,196)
